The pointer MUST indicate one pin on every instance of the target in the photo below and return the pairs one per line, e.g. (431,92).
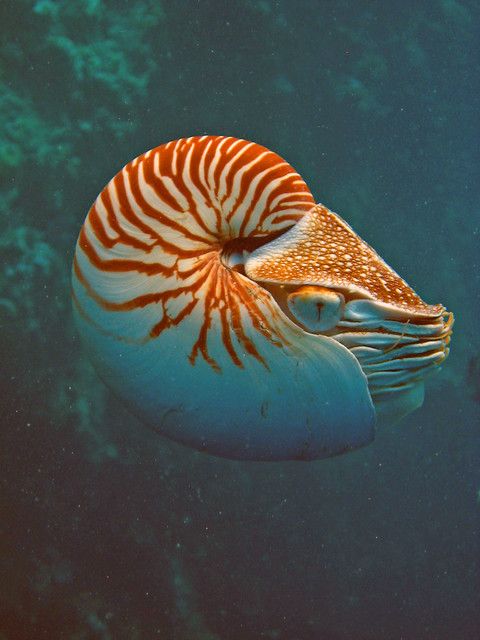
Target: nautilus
(231,313)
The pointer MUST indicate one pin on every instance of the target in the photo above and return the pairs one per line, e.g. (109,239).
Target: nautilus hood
(232,314)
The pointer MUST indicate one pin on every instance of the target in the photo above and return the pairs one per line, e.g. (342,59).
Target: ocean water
(108,530)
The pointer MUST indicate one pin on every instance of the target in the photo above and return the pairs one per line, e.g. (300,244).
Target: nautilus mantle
(233,314)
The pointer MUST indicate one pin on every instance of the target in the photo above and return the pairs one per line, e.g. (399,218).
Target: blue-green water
(109,531)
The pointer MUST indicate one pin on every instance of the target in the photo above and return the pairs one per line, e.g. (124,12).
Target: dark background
(108,531)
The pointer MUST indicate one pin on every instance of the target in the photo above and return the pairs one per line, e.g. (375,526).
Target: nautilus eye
(232,314)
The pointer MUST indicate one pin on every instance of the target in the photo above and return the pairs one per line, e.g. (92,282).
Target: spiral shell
(205,290)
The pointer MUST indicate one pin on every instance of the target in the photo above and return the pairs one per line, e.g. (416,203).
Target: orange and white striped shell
(234,315)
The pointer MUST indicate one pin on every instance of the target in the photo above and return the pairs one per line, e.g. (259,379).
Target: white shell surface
(311,402)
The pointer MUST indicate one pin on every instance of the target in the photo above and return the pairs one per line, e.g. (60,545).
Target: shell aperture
(209,291)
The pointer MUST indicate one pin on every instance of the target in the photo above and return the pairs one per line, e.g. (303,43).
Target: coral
(78,400)
(101,46)
(28,262)
(27,137)
(190,625)
(83,48)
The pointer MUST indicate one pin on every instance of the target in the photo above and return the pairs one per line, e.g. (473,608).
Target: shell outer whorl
(152,242)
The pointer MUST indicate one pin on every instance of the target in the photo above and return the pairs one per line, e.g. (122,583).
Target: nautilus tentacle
(354,297)
(225,309)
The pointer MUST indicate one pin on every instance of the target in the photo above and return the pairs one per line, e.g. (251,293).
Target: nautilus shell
(233,314)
